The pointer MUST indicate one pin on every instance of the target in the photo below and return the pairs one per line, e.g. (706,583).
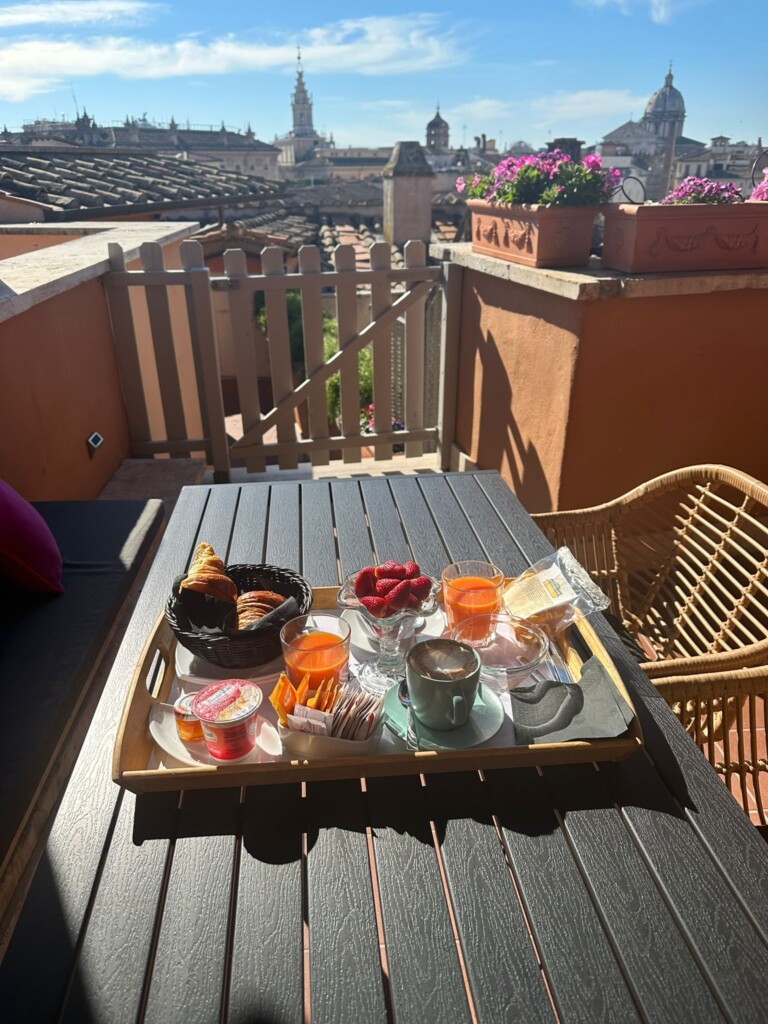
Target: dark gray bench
(55,652)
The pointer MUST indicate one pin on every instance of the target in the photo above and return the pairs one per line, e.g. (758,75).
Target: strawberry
(413,601)
(375,606)
(389,571)
(365,582)
(412,570)
(383,587)
(398,597)
(421,586)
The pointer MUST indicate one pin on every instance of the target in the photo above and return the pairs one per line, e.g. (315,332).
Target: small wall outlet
(94,442)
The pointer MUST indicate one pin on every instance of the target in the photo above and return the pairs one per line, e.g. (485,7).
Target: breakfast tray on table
(141,766)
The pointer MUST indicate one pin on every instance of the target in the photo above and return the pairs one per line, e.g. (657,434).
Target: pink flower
(460,184)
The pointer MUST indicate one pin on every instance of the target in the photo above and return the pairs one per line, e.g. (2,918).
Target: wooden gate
(164,324)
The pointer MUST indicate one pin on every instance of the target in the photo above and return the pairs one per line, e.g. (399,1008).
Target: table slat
(318,543)
(423,536)
(383,521)
(267,979)
(586,981)
(346,984)
(459,538)
(283,532)
(663,972)
(108,982)
(353,537)
(250,530)
(502,965)
(494,533)
(423,963)
(189,969)
(729,949)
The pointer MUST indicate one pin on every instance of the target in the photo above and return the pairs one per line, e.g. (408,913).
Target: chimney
(407,195)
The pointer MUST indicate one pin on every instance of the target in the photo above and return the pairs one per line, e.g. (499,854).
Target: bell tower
(301,103)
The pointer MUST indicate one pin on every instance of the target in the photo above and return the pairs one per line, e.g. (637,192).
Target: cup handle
(459,709)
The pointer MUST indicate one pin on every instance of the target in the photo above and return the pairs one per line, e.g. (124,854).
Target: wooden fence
(164,325)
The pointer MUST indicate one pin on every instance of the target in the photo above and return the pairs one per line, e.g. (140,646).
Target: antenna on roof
(298,58)
(77,111)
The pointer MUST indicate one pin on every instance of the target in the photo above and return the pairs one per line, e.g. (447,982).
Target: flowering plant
(761,191)
(548,178)
(703,190)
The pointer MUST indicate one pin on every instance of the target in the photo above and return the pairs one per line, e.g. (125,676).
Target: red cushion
(29,554)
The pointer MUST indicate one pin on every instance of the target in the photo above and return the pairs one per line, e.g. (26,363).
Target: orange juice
(319,655)
(466,596)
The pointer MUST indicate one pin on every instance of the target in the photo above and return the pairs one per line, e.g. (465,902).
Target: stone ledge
(592,282)
(34,277)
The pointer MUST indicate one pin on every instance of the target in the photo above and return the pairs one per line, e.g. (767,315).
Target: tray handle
(133,743)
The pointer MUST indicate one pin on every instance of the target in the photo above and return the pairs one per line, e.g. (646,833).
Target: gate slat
(314,356)
(204,342)
(165,354)
(346,319)
(413,378)
(381,297)
(244,344)
(126,350)
(279,350)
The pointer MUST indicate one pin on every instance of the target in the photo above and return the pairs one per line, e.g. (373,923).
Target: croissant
(255,605)
(207,575)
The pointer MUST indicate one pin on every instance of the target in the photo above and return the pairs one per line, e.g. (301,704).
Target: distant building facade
(649,149)
(240,152)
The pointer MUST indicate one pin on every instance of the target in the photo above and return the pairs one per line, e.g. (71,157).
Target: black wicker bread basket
(243,648)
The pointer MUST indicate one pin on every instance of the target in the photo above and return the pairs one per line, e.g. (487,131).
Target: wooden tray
(134,744)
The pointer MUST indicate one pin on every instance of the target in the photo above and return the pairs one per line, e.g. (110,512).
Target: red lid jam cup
(227,713)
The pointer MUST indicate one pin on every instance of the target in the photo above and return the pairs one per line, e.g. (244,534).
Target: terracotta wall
(17,245)
(577,402)
(516,361)
(663,383)
(60,384)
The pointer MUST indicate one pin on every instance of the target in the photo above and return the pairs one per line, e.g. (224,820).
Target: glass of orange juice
(471,588)
(315,645)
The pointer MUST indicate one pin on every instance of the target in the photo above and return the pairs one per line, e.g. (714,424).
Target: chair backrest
(692,555)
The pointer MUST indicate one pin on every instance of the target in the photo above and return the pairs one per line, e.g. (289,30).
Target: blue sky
(518,70)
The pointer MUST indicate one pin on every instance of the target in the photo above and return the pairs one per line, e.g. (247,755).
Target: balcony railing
(166,327)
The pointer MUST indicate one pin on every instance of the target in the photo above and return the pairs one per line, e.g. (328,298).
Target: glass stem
(389,649)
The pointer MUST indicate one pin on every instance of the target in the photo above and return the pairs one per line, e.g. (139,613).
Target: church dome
(665,101)
(437,122)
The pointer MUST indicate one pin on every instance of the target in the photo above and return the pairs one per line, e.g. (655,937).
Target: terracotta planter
(654,238)
(538,236)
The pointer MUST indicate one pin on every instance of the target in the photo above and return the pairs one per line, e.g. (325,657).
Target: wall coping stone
(34,277)
(592,282)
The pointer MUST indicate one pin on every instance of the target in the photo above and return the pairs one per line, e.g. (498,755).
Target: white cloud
(481,109)
(365,46)
(566,107)
(72,12)
(661,11)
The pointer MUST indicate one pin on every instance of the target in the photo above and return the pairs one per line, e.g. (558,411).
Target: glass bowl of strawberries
(390,597)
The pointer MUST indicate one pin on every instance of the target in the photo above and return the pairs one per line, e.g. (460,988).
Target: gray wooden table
(635,891)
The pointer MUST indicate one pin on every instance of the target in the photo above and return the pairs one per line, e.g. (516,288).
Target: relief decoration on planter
(689,243)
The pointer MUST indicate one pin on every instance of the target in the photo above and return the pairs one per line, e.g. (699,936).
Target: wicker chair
(684,560)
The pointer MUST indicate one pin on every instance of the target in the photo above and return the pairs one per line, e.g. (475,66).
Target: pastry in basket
(255,604)
(207,575)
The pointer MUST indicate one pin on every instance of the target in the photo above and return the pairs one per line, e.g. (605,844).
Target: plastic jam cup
(227,712)
(187,723)
(471,588)
(317,646)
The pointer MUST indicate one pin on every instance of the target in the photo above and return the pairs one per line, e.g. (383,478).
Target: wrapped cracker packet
(554,592)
